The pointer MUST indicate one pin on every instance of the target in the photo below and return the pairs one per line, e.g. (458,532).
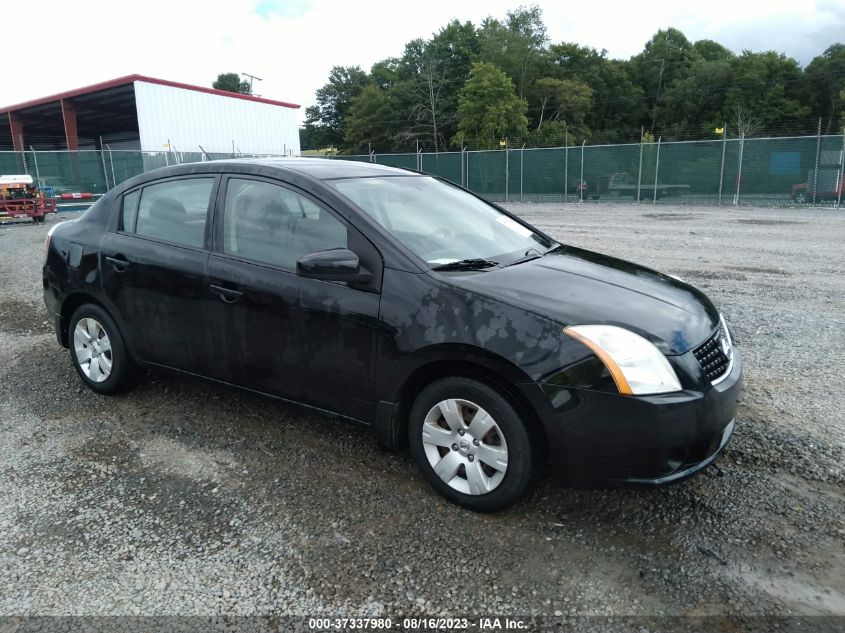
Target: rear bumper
(53,302)
(606,439)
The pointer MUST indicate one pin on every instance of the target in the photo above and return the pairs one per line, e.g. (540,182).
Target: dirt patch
(672,217)
(761,270)
(766,222)
(22,317)
(712,274)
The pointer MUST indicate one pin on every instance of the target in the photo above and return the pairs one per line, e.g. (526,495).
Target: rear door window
(175,211)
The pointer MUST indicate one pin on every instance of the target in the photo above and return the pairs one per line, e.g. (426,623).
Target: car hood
(578,287)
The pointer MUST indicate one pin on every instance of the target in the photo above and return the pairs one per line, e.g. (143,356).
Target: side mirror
(336,264)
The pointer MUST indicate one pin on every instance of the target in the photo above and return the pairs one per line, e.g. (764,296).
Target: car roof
(323,168)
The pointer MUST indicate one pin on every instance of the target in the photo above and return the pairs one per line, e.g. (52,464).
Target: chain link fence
(754,171)
(96,171)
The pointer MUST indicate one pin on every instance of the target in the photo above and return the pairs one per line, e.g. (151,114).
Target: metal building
(147,114)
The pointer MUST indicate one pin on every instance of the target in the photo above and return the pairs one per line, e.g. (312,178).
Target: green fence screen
(755,171)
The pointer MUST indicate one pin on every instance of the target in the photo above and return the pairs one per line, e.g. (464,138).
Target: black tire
(521,455)
(124,373)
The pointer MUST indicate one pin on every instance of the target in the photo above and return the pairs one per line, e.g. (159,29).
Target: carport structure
(142,113)
(72,120)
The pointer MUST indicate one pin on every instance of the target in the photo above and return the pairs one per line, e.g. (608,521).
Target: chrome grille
(715,354)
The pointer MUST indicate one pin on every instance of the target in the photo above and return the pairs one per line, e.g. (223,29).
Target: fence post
(656,169)
(818,152)
(35,160)
(566,167)
(841,173)
(467,184)
(507,173)
(640,173)
(521,165)
(739,168)
(463,183)
(23,158)
(111,162)
(581,180)
(103,160)
(722,168)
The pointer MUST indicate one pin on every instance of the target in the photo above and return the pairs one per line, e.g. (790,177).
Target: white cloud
(292,44)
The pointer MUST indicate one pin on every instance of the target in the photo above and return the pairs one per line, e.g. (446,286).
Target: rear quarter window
(129,211)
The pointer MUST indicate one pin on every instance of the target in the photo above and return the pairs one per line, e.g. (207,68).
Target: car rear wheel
(470,444)
(98,352)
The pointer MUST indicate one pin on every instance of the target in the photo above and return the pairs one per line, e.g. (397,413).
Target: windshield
(439,222)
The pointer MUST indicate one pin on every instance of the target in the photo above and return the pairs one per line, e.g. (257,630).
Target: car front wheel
(98,352)
(470,444)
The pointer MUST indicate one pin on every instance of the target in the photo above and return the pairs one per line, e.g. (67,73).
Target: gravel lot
(192,499)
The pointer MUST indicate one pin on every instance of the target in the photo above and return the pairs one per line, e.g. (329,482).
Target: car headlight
(636,365)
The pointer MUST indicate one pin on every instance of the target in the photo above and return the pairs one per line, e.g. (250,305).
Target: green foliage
(325,120)
(364,123)
(489,108)
(767,85)
(617,106)
(450,87)
(231,82)
(824,89)
(842,112)
(565,100)
(516,45)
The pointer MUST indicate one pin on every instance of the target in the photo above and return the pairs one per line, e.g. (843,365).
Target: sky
(292,44)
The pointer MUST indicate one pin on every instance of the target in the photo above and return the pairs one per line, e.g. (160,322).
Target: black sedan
(398,300)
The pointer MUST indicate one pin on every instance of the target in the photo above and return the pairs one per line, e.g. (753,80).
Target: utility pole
(251,79)
(657,97)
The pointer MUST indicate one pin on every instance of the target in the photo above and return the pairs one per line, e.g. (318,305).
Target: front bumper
(604,439)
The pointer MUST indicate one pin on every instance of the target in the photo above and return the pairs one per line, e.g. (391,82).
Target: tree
(365,123)
(564,99)
(824,85)
(666,57)
(842,101)
(429,76)
(489,108)
(425,78)
(695,103)
(517,46)
(325,120)
(767,84)
(711,51)
(231,82)
(742,122)
(617,107)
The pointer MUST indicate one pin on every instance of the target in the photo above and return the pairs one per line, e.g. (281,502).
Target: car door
(153,269)
(273,331)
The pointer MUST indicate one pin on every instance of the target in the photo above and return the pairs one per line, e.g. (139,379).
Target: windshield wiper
(531,253)
(467,264)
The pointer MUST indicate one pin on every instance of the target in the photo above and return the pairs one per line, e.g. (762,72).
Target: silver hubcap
(93,349)
(465,446)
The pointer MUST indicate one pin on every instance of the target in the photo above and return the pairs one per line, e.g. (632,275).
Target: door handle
(228,295)
(118,263)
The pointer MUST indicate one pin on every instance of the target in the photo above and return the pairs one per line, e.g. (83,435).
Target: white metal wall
(188,119)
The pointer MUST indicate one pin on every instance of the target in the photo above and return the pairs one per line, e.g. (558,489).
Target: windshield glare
(439,222)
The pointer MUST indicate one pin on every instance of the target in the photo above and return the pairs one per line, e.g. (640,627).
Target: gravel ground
(192,499)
